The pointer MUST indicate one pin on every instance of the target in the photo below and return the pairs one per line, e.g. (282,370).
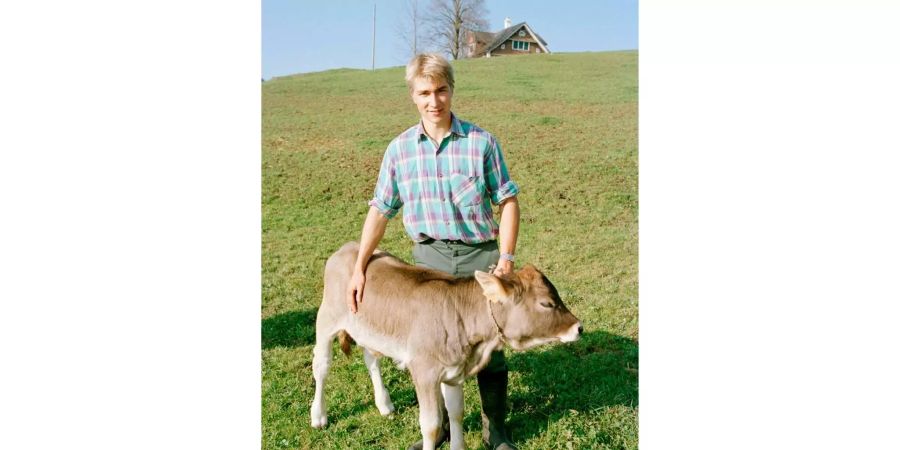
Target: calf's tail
(346,341)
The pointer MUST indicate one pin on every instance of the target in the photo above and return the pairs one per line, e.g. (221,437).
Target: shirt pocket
(466,190)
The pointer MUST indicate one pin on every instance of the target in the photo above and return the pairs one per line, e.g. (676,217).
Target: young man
(446,173)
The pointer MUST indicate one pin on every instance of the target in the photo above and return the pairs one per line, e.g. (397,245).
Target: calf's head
(528,309)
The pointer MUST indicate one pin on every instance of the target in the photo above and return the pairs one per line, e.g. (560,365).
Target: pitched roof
(504,34)
(483,36)
(482,39)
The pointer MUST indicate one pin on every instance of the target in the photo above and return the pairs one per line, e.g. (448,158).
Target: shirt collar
(455,127)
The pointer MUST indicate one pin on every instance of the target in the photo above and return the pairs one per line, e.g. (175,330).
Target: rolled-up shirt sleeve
(387,195)
(499,186)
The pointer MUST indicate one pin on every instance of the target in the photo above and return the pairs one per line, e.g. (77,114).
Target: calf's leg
(428,392)
(382,397)
(453,399)
(321,361)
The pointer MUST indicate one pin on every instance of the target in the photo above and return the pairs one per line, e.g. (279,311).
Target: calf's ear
(528,274)
(493,287)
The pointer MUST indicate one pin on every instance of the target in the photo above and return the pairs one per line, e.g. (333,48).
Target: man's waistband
(431,241)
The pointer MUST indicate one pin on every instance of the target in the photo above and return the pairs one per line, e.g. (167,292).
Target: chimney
(507,23)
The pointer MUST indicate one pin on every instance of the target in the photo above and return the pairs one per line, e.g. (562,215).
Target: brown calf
(441,328)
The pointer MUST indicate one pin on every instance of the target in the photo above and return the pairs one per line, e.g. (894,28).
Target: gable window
(520,45)
(521,33)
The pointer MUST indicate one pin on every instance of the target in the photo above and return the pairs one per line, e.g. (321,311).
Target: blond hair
(430,66)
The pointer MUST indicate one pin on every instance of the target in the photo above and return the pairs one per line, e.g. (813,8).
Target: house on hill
(511,40)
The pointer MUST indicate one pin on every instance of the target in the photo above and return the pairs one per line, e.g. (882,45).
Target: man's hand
(355,290)
(504,266)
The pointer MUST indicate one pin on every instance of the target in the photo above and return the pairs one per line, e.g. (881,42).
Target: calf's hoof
(385,408)
(319,420)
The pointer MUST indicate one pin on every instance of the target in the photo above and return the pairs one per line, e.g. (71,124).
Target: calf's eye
(547,304)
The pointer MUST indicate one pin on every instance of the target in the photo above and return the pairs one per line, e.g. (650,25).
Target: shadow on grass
(289,329)
(599,370)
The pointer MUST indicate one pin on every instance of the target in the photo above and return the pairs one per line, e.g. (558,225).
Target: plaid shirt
(447,190)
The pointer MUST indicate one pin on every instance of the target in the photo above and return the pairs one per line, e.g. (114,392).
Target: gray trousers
(461,260)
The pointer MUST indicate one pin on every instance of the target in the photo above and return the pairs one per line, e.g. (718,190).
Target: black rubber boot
(492,388)
(443,436)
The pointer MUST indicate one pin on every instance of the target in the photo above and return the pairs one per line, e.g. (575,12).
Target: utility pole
(374,11)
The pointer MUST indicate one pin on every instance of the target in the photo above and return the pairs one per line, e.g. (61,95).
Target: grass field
(567,124)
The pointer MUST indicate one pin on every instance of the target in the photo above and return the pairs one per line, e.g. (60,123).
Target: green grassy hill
(567,124)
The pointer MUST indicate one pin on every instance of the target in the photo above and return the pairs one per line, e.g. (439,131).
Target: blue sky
(314,35)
